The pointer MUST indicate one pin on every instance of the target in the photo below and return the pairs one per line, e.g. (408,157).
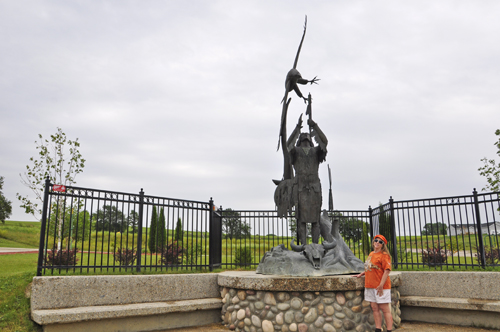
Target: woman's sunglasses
(379,241)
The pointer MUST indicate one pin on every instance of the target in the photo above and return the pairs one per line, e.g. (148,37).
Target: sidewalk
(9,251)
(405,327)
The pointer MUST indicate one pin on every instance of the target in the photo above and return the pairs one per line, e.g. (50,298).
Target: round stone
(315,301)
(251,298)
(235,300)
(349,325)
(269,298)
(267,326)
(308,296)
(299,317)
(230,308)
(328,301)
(233,316)
(274,309)
(289,315)
(296,303)
(321,308)
(284,328)
(293,327)
(282,296)
(263,314)
(349,295)
(259,305)
(241,314)
(337,323)
(339,315)
(311,328)
(227,318)
(232,292)
(340,298)
(232,327)
(365,303)
(283,306)
(328,294)
(349,313)
(250,292)
(307,303)
(311,316)
(304,310)
(366,311)
(247,321)
(361,328)
(248,312)
(357,308)
(241,325)
(320,321)
(242,295)
(328,328)
(329,310)
(270,315)
(256,321)
(337,307)
(302,327)
(280,319)
(357,300)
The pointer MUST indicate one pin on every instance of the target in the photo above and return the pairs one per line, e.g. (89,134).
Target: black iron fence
(96,231)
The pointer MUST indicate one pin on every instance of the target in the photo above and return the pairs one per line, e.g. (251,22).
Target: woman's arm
(380,288)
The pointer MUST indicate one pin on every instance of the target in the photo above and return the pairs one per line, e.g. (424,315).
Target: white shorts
(371,296)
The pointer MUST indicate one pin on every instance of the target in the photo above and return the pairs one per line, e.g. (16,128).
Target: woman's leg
(376,315)
(386,309)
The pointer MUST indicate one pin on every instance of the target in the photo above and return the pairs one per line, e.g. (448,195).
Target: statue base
(267,303)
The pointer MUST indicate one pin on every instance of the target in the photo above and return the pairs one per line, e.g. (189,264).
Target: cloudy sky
(182,98)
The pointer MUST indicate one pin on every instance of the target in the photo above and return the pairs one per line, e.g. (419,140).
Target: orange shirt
(375,265)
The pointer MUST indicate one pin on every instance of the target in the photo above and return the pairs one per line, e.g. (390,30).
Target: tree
(5,204)
(179,233)
(385,226)
(133,220)
(152,242)
(109,218)
(491,169)
(437,228)
(232,226)
(59,159)
(351,229)
(161,231)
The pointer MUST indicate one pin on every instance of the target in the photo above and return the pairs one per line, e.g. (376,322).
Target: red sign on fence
(59,188)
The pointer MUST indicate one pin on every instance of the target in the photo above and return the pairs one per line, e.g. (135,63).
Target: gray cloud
(182,99)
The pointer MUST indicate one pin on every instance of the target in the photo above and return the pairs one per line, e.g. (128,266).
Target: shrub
(193,251)
(125,256)
(62,257)
(243,256)
(434,256)
(491,255)
(171,254)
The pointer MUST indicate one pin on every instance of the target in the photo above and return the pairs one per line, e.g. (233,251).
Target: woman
(378,283)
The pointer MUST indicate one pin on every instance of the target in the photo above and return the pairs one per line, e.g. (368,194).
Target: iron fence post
(370,214)
(393,234)
(211,243)
(139,230)
(41,245)
(479,230)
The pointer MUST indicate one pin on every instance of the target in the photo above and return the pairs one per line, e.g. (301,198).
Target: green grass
(15,305)
(19,234)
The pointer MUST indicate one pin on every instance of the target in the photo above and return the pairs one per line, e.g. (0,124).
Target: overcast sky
(182,98)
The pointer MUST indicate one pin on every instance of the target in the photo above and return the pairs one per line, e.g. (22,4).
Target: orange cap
(380,236)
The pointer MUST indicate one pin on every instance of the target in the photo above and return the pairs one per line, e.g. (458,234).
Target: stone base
(265,303)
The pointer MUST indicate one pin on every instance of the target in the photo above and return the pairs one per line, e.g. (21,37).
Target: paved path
(9,251)
(405,327)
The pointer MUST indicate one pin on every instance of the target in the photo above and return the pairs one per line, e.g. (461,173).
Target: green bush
(243,256)
(434,256)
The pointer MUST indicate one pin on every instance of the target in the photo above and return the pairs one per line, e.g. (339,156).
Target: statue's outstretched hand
(299,123)
(314,80)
